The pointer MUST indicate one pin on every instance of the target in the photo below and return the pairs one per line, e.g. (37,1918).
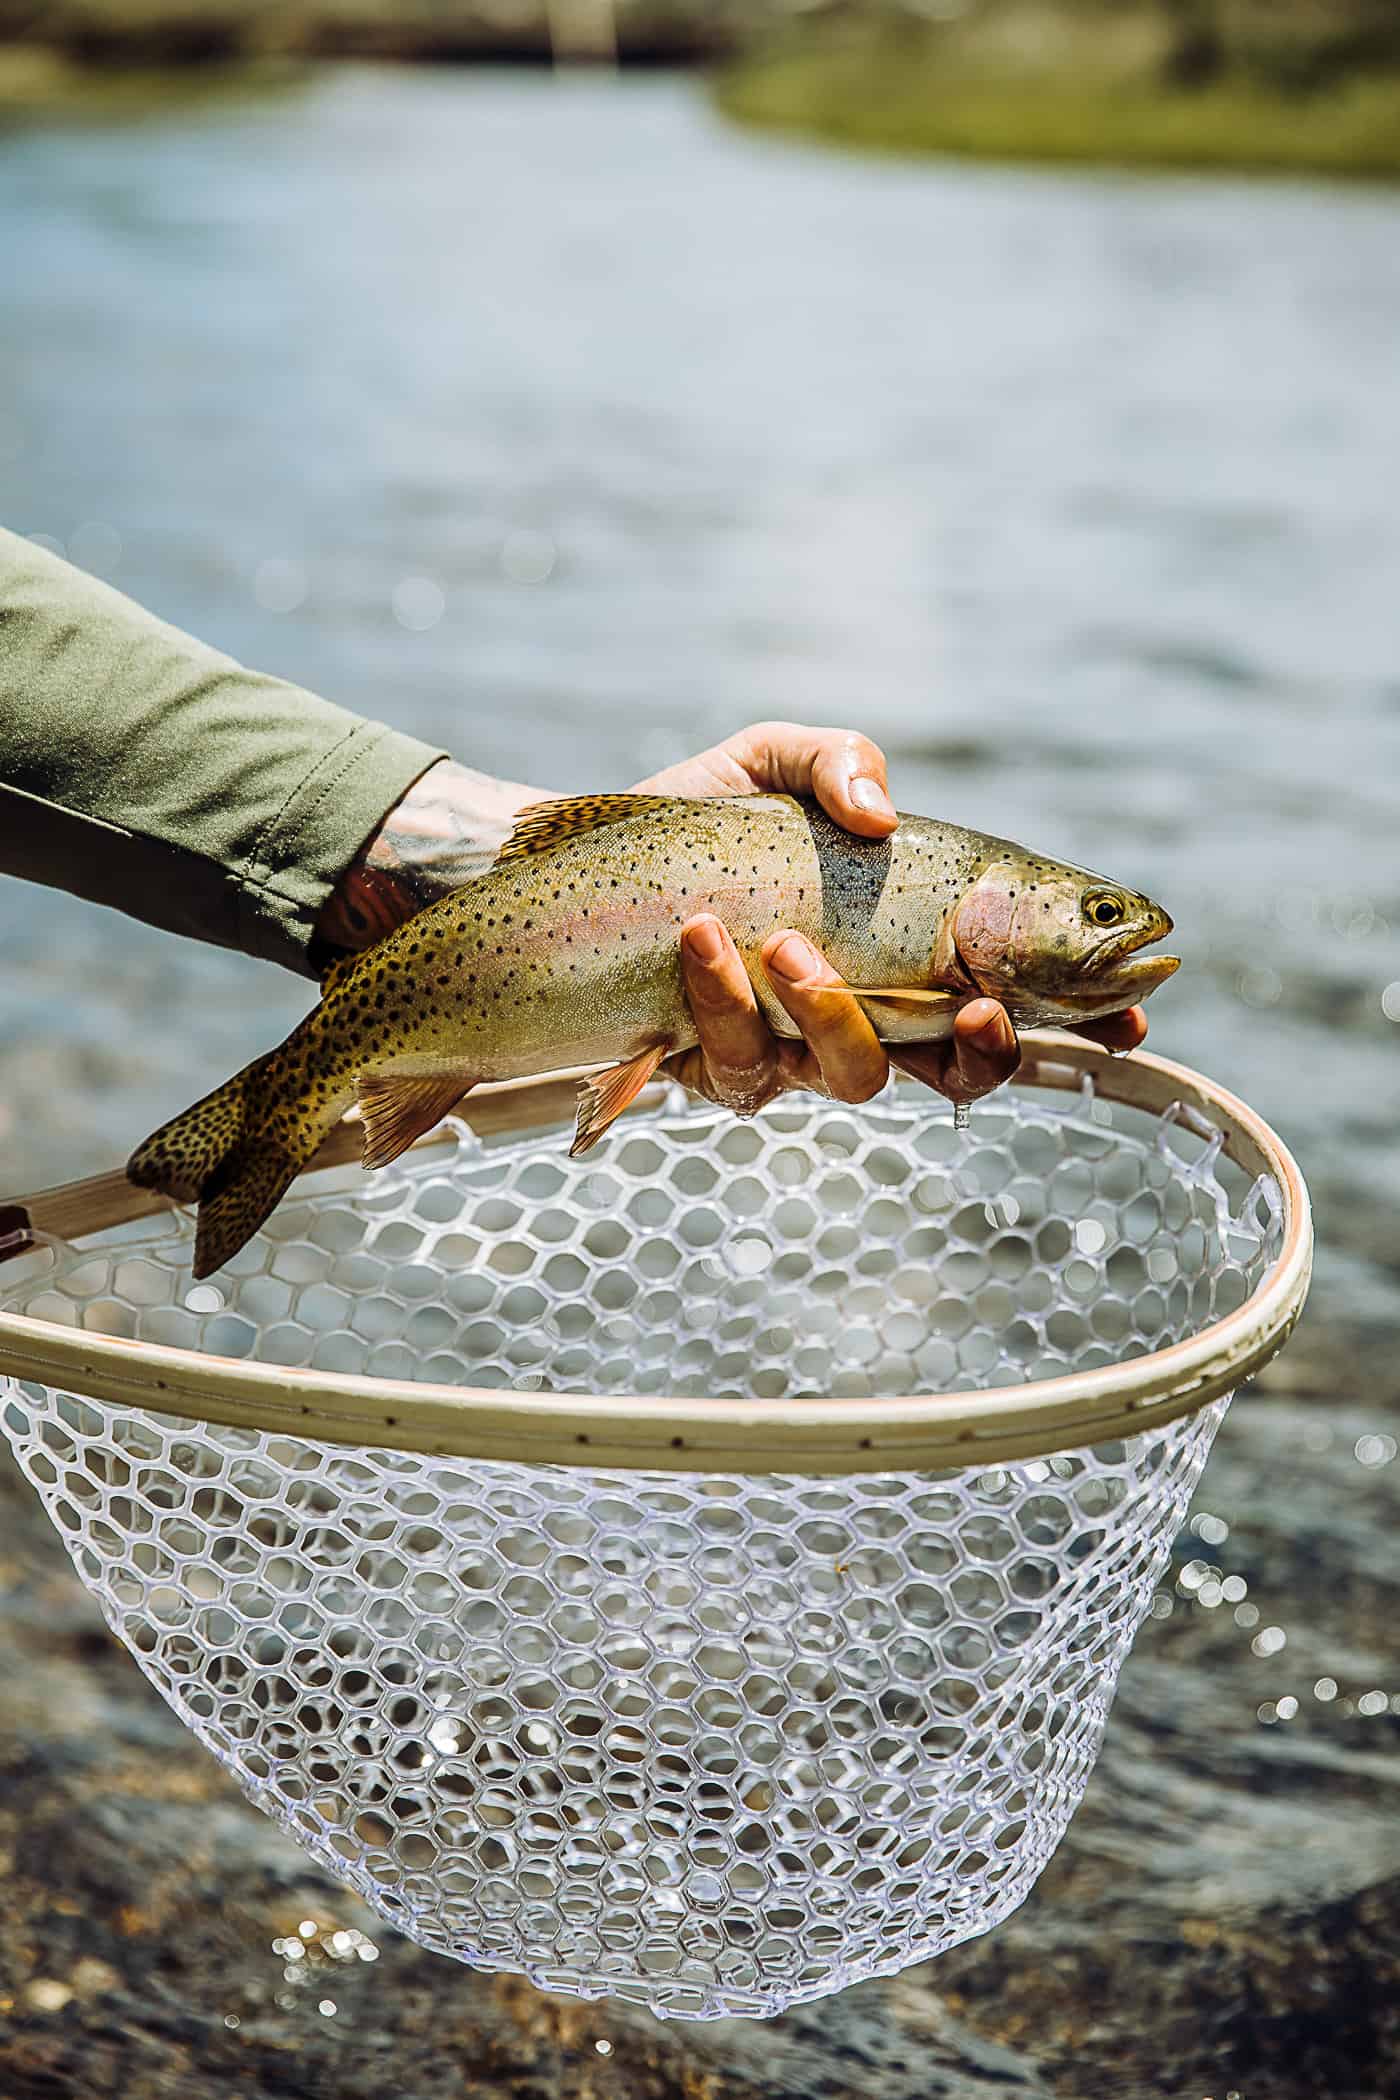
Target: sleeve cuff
(301,856)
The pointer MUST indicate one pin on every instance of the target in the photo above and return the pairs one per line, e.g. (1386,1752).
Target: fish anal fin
(544,824)
(396,1109)
(604,1095)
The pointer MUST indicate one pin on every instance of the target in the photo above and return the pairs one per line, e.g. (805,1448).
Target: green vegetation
(1127,87)
(40,85)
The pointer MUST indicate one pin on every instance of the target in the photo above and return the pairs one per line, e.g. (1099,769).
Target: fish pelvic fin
(541,825)
(238,1151)
(397,1110)
(604,1095)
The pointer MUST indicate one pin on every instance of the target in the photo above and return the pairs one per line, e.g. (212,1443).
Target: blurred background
(572,412)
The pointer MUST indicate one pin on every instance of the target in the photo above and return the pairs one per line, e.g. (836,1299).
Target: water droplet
(750,1254)
(528,557)
(279,586)
(419,603)
(1260,987)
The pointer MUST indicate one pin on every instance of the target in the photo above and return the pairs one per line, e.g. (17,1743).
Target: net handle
(917,1433)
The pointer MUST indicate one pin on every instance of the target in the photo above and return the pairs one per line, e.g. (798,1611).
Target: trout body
(566,952)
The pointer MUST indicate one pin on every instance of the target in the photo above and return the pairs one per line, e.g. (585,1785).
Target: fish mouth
(1134,977)
(1118,968)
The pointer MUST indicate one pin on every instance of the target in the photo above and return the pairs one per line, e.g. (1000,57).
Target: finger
(1123,1031)
(849,1056)
(982,1055)
(737,1050)
(843,769)
(985,1051)
(848,779)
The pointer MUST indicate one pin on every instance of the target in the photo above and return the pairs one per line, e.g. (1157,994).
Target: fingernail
(705,941)
(793,959)
(871,797)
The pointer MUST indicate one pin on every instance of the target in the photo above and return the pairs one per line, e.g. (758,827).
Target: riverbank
(1050,87)
(58,47)
(1051,81)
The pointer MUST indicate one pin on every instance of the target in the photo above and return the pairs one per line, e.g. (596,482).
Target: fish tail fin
(236,1152)
(242,1194)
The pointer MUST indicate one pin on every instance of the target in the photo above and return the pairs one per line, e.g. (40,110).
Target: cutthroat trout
(566,952)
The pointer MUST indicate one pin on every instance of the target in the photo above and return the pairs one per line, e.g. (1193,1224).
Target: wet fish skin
(566,953)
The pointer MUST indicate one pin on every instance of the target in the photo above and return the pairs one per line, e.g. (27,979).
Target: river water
(559,423)
(1076,492)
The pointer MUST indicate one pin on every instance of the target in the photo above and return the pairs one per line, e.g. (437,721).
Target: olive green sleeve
(143,770)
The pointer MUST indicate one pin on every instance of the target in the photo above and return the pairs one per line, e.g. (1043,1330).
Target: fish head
(1059,944)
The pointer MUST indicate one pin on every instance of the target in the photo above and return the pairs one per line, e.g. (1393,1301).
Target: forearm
(143,770)
(445,830)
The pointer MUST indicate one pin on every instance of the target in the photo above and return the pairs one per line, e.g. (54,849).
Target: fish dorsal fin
(335,973)
(545,824)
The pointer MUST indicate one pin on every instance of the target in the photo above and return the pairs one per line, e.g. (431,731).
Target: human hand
(739,1062)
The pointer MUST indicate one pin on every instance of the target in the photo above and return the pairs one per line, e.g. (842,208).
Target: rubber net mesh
(713,1744)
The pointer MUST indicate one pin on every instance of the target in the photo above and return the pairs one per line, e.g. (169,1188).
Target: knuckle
(861,747)
(708,986)
(769,729)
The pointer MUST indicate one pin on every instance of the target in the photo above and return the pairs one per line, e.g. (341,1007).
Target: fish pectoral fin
(899,998)
(396,1109)
(603,1097)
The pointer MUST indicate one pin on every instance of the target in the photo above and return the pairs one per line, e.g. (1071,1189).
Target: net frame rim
(660,1433)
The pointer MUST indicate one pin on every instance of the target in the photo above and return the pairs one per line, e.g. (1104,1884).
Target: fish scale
(566,952)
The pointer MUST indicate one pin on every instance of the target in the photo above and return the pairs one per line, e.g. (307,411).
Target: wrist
(447,829)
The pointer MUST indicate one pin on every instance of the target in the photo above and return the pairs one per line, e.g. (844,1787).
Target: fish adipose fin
(603,1097)
(397,1110)
(544,824)
(233,1158)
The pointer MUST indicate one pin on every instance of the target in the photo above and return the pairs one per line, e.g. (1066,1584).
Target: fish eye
(1106,911)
